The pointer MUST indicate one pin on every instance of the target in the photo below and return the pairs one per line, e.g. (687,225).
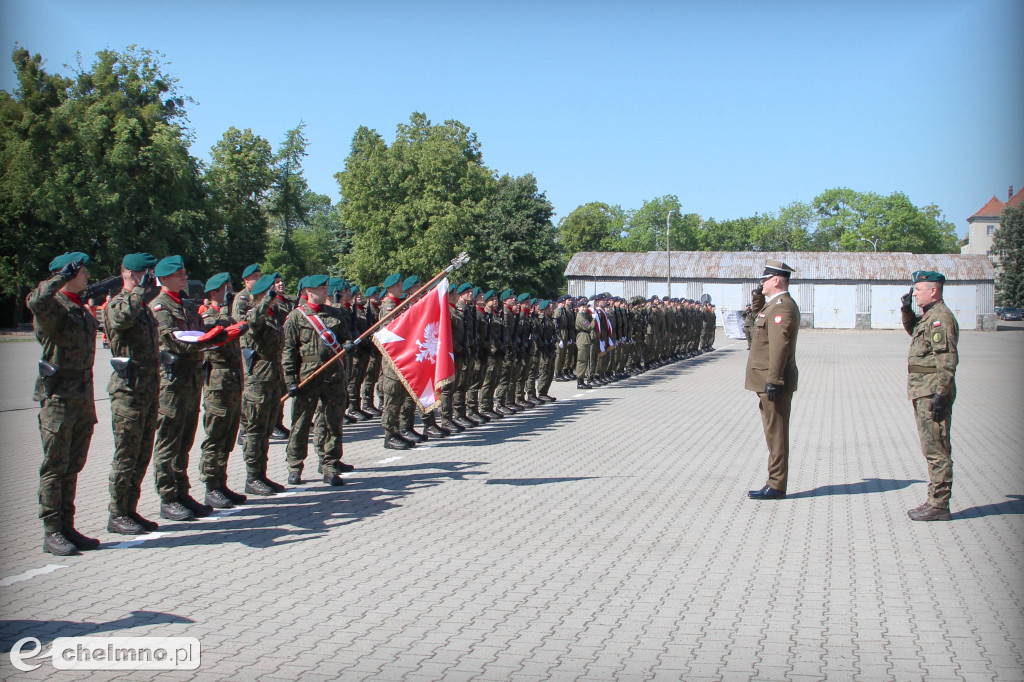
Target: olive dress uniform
(67,332)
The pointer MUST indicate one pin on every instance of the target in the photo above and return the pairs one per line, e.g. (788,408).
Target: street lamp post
(668,250)
(873,242)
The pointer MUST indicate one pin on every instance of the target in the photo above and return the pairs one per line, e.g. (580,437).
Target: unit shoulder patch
(778,319)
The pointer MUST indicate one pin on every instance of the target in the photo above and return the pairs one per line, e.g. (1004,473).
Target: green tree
(314,246)
(789,230)
(592,227)
(239,178)
(515,246)
(857,221)
(1008,243)
(286,205)
(413,206)
(646,226)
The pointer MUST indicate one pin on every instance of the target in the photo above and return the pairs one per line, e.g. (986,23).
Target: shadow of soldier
(507,429)
(304,512)
(48,630)
(1014,506)
(868,485)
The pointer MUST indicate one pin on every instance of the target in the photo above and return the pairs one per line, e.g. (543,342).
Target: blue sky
(737,107)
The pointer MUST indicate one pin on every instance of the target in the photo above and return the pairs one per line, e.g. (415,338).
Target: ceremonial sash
(325,334)
(596,313)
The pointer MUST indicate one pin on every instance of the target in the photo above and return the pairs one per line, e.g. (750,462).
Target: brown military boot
(930,514)
(58,545)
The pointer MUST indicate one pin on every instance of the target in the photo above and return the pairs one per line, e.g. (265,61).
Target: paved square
(605,537)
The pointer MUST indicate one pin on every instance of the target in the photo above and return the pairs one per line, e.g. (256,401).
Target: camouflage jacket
(458,332)
(132,331)
(67,333)
(240,307)
(223,364)
(265,338)
(172,316)
(305,350)
(932,360)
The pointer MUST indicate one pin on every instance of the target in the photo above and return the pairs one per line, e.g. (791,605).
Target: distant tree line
(100,162)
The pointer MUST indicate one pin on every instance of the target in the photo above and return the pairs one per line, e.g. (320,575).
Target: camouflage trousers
(531,373)
(474,384)
(393,394)
(356,377)
(454,391)
(489,384)
(506,377)
(320,430)
(332,396)
(65,426)
(261,405)
(371,378)
(176,422)
(935,446)
(133,420)
(222,410)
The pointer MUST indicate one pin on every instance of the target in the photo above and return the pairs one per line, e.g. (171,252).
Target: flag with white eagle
(418,344)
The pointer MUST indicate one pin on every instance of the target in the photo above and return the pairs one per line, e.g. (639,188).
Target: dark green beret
(355,290)
(523,297)
(69,257)
(928,276)
(464,287)
(451,288)
(508,293)
(168,266)
(250,270)
(392,280)
(489,294)
(334,285)
(137,262)
(476,291)
(262,284)
(217,281)
(544,304)
(313,281)
(409,281)
(370,291)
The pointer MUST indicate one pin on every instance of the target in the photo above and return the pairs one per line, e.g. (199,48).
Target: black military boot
(236,498)
(351,418)
(200,510)
(480,414)
(449,425)
(80,541)
(124,525)
(580,384)
(334,480)
(217,499)
(280,431)
(434,431)
(413,435)
(255,486)
(371,410)
(396,442)
(294,478)
(464,422)
(176,511)
(58,545)
(273,485)
(343,468)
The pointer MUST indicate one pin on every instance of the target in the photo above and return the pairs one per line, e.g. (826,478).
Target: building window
(991,230)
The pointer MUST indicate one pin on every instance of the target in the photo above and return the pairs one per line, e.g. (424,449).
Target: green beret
(392,280)
(928,276)
(217,281)
(463,287)
(262,284)
(409,281)
(355,290)
(250,270)
(508,293)
(313,281)
(476,291)
(370,291)
(137,262)
(451,288)
(69,257)
(523,297)
(169,266)
(489,294)
(544,304)
(334,285)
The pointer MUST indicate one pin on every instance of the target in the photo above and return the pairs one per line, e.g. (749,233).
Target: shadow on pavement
(1014,506)
(48,630)
(868,485)
(290,518)
(537,481)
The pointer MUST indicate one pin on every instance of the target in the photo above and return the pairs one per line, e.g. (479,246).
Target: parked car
(999,311)
(1010,313)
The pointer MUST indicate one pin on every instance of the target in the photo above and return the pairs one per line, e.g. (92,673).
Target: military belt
(921,369)
(311,358)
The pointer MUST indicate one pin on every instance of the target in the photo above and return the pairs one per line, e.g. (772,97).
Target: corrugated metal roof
(809,265)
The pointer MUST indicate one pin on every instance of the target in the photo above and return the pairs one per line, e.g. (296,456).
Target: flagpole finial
(458,261)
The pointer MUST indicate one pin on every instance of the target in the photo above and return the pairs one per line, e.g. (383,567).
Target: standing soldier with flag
(369,386)
(134,389)
(393,393)
(314,333)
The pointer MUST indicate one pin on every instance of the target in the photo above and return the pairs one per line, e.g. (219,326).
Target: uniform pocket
(169,404)
(51,416)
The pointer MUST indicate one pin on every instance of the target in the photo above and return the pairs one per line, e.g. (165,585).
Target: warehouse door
(886,304)
(834,306)
(724,297)
(963,301)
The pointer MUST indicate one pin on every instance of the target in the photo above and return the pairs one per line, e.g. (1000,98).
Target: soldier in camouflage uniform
(459,350)
(373,365)
(546,352)
(134,389)
(392,389)
(181,382)
(314,333)
(496,341)
(264,377)
(931,386)
(475,299)
(67,415)
(240,306)
(360,357)
(465,308)
(222,399)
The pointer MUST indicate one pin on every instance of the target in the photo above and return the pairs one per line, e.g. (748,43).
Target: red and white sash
(325,334)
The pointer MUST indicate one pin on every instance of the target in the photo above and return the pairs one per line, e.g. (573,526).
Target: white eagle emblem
(428,347)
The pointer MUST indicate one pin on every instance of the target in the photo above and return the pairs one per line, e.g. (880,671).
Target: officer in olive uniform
(181,383)
(134,389)
(584,331)
(222,399)
(931,386)
(314,333)
(67,332)
(772,373)
(264,379)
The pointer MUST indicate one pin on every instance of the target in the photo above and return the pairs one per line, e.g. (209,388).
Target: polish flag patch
(778,319)
(936,323)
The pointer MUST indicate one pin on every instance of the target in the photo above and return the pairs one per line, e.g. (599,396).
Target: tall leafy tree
(414,205)
(239,178)
(592,227)
(647,225)
(1008,243)
(286,204)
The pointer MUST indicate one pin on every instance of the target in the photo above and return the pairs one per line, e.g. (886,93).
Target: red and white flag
(418,344)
